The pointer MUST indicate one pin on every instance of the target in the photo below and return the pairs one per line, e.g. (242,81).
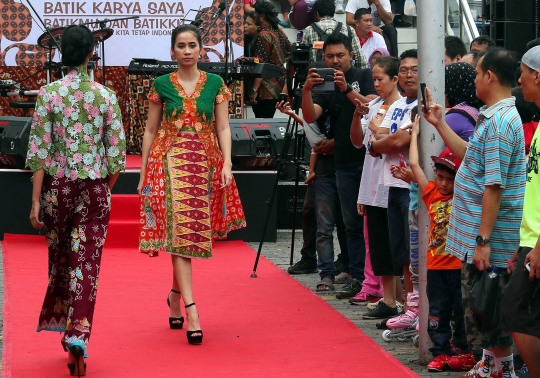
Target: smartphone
(423,90)
(328,85)
(283,97)
(414,113)
(528,266)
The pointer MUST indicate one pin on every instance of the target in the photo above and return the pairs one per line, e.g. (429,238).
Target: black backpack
(323,36)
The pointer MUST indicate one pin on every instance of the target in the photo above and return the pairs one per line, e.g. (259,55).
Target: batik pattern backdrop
(33,78)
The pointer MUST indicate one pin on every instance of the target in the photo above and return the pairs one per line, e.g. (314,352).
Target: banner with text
(25,42)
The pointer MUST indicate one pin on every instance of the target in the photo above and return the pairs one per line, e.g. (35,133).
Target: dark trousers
(76,217)
(309,231)
(444,295)
(348,184)
(390,33)
(309,227)
(400,6)
(264,108)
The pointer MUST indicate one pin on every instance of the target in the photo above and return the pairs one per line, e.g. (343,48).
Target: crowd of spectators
(365,180)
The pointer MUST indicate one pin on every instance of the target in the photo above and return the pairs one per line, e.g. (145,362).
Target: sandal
(325,284)
(174,323)
(194,337)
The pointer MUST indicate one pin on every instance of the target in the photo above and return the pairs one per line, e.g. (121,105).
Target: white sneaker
(339,7)
(373,305)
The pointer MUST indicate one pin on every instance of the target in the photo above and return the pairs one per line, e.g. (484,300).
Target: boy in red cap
(443,269)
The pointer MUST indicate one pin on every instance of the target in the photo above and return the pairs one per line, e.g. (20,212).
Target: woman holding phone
(372,196)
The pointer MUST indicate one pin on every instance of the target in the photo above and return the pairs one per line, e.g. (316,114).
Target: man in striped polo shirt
(488,199)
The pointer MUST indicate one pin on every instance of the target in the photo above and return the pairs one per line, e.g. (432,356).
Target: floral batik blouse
(77,129)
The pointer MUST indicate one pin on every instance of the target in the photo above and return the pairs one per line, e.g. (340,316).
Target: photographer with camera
(338,173)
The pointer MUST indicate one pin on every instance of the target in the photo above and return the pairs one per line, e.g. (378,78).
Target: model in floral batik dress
(76,151)
(188,194)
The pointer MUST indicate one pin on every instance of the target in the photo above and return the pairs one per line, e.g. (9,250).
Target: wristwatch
(480,240)
(370,145)
(253,90)
(349,89)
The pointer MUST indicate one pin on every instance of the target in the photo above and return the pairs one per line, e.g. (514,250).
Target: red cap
(447,159)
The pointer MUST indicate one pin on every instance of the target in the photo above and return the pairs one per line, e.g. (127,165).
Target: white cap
(532,58)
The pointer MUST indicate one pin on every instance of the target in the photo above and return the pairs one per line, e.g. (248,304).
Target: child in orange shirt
(443,269)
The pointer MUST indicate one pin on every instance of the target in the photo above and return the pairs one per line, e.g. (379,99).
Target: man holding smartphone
(339,167)
(520,309)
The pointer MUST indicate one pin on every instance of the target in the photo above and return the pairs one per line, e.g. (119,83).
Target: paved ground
(279,254)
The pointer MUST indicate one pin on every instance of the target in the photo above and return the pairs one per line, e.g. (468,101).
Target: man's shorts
(485,338)
(520,309)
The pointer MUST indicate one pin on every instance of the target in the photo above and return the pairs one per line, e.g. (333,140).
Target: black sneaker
(303,267)
(399,23)
(350,289)
(382,311)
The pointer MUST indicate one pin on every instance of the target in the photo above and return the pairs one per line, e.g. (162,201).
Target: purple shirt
(461,125)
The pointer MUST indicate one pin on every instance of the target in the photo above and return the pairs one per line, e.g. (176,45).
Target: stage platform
(255,189)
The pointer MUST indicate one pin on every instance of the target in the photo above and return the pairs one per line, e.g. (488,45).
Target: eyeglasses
(405,71)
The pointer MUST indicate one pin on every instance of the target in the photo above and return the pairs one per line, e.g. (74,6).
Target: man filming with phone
(339,167)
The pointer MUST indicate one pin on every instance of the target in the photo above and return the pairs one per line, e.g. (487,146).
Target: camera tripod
(298,160)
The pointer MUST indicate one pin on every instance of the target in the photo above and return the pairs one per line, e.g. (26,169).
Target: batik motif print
(183,205)
(79,210)
(77,129)
(189,232)
(272,46)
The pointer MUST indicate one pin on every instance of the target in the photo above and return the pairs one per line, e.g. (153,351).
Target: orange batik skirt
(183,206)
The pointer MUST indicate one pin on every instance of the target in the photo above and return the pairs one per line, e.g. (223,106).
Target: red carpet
(133,162)
(271,326)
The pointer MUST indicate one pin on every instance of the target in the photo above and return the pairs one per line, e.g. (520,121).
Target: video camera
(300,55)
(297,66)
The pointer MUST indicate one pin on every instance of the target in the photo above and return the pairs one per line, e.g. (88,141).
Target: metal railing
(460,21)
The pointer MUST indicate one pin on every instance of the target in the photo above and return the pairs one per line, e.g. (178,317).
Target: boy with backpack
(318,32)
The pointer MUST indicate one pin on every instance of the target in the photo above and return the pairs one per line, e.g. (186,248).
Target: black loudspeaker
(512,23)
(14,135)
(257,143)
(522,10)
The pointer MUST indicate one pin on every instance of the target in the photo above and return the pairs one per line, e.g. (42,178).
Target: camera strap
(334,115)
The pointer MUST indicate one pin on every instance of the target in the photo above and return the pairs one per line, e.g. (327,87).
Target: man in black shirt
(339,166)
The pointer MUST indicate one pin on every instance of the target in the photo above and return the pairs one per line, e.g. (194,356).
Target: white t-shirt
(371,192)
(373,43)
(399,114)
(354,5)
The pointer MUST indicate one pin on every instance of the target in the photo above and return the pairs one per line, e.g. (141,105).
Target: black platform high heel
(175,323)
(191,338)
(76,368)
